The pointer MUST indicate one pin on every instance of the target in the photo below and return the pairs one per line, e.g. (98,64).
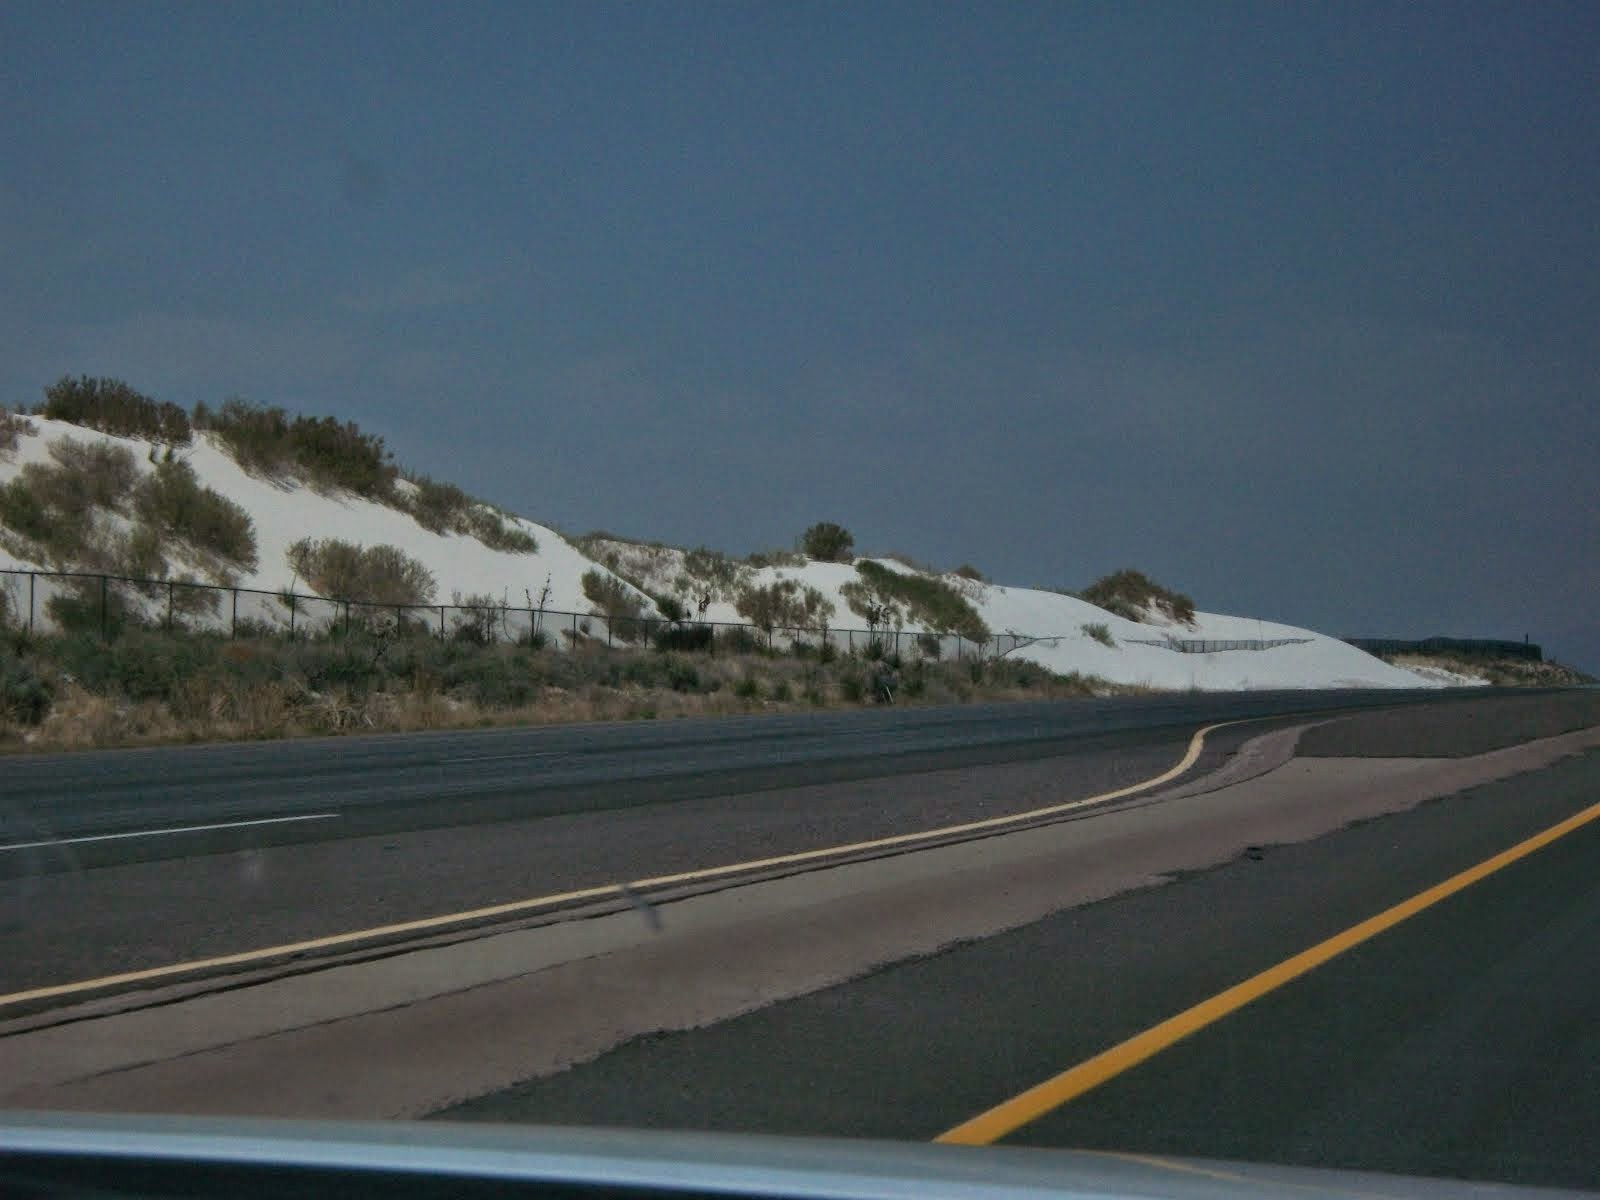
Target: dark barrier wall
(1483,647)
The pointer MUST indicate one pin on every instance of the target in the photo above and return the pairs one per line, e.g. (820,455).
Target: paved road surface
(1464,1042)
(1459,1043)
(410,827)
(414,781)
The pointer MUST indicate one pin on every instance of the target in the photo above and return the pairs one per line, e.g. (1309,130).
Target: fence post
(441,622)
(169,606)
(292,599)
(103,586)
(958,647)
(31,578)
(347,618)
(233,627)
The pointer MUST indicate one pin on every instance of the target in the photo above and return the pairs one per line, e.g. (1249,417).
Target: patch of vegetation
(775,558)
(445,508)
(827,541)
(686,638)
(711,573)
(925,599)
(437,507)
(478,618)
(86,476)
(111,406)
(147,685)
(968,571)
(24,697)
(173,503)
(1100,632)
(1132,595)
(615,601)
(670,606)
(13,427)
(370,574)
(1497,671)
(648,566)
(784,604)
(321,450)
(55,506)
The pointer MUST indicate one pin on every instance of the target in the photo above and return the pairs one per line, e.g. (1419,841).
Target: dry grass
(150,694)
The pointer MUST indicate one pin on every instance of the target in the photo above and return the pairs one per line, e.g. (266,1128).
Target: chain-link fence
(48,602)
(1214,645)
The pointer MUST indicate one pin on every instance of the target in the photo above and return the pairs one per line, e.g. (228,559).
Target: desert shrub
(852,686)
(324,451)
(827,541)
(22,511)
(785,603)
(25,696)
(709,572)
(670,606)
(55,504)
(747,688)
(111,406)
(876,610)
(682,676)
(256,437)
(1132,595)
(688,638)
(339,454)
(86,475)
(139,665)
(173,502)
(372,574)
(477,618)
(1100,632)
(445,508)
(968,571)
(12,427)
(81,607)
(613,600)
(739,640)
(926,599)
(775,558)
(437,507)
(492,527)
(930,645)
(494,677)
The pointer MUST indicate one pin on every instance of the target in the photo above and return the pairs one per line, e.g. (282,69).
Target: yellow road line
(602,891)
(1028,1106)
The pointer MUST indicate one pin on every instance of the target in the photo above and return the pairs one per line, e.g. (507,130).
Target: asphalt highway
(123,861)
(291,791)
(1462,1042)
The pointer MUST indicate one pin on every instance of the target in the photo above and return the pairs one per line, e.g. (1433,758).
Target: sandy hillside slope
(284,510)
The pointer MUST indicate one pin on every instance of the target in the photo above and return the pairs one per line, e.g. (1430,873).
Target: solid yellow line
(1006,1118)
(426,924)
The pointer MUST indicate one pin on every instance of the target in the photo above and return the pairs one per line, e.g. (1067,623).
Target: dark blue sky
(1295,307)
